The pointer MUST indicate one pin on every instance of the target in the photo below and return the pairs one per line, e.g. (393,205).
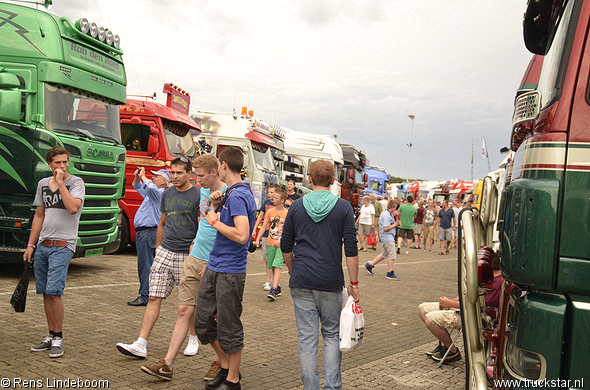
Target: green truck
(61,83)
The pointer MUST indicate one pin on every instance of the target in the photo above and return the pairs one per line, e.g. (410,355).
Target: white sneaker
(134,349)
(192,347)
(267,286)
(407,252)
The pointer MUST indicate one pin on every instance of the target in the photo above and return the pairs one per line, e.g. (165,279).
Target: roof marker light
(83,25)
(109,37)
(101,34)
(116,41)
(93,30)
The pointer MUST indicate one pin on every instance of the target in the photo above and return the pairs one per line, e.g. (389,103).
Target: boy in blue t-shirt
(387,228)
(222,286)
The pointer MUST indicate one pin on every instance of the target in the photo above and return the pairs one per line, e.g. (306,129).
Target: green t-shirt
(378,210)
(408,212)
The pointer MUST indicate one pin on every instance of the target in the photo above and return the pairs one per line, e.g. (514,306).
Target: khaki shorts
(445,319)
(389,250)
(189,280)
(417,228)
(428,232)
(365,229)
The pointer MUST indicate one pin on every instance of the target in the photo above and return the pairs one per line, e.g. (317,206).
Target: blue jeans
(312,307)
(145,244)
(51,269)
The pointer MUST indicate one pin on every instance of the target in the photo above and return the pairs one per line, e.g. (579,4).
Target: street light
(410,145)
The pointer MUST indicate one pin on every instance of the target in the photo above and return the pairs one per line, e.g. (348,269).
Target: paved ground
(97,317)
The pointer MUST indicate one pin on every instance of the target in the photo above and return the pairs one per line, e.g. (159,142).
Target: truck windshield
(555,62)
(73,111)
(180,146)
(263,158)
(375,185)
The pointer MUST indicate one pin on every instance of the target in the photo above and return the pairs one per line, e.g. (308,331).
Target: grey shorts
(220,294)
(365,229)
(445,234)
(263,248)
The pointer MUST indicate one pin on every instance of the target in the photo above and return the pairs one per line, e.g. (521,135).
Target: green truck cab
(539,336)
(61,83)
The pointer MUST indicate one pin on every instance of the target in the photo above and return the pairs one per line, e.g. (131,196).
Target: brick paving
(97,317)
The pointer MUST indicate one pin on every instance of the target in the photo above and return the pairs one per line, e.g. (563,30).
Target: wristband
(355,287)
(31,245)
(354,283)
(214,222)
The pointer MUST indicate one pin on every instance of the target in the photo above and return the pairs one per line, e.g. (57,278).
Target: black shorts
(406,233)
(220,294)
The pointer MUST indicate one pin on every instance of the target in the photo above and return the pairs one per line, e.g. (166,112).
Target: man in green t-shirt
(406,231)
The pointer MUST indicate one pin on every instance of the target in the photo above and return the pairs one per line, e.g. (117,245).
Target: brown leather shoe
(212,373)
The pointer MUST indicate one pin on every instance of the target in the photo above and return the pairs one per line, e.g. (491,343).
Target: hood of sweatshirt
(318,204)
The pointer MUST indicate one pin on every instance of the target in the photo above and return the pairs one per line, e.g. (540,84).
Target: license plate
(93,252)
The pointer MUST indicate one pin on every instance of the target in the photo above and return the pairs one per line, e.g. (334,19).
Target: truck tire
(125,238)
(473,344)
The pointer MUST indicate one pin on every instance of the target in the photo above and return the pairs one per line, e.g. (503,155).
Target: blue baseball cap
(164,173)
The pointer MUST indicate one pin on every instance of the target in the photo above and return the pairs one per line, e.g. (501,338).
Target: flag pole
(472,148)
(487,154)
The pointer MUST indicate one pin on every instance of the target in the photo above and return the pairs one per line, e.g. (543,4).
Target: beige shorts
(428,232)
(417,228)
(365,229)
(389,250)
(189,280)
(445,319)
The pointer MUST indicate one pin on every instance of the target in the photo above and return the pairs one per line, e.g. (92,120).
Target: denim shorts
(51,268)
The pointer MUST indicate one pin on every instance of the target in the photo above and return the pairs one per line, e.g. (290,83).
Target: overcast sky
(353,69)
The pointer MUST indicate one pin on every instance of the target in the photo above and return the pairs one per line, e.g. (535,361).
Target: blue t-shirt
(446,217)
(229,256)
(206,233)
(385,220)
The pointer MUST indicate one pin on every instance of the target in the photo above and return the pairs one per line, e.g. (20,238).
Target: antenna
(135,70)
(235,96)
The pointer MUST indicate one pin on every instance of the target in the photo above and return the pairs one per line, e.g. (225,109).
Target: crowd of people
(196,239)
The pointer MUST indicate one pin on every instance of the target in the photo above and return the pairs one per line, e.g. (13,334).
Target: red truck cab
(153,135)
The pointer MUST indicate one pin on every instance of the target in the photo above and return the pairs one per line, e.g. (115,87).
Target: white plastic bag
(352,326)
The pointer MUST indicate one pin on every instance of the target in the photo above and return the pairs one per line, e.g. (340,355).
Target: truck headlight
(524,364)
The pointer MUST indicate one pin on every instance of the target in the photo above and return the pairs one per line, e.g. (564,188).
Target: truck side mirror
(154,142)
(10,100)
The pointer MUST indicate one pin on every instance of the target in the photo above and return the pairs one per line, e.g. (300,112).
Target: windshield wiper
(108,137)
(74,131)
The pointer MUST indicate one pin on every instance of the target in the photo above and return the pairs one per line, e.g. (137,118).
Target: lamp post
(410,146)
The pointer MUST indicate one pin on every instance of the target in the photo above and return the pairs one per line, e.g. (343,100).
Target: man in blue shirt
(146,223)
(446,223)
(319,223)
(222,286)
(387,228)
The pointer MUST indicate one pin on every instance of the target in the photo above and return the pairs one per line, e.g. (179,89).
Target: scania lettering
(541,332)
(61,83)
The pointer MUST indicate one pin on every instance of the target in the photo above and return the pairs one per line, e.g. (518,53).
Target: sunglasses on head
(182,158)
